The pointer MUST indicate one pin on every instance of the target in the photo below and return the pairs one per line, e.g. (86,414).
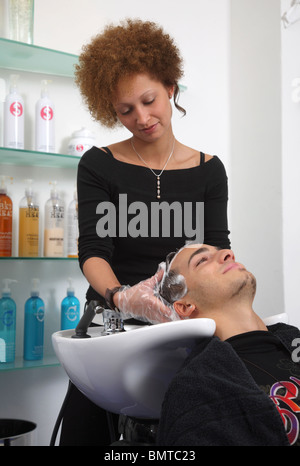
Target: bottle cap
(44,87)
(13,82)
(83,133)
(53,191)
(3,188)
(70,288)
(35,291)
(6,289)
(29,188)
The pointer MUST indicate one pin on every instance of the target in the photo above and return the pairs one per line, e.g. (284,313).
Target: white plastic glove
(142,301)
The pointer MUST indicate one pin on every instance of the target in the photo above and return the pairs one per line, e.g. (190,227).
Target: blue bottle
(34,325)
(7,324)
(70,309)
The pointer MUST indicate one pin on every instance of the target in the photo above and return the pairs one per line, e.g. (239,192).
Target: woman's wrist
(111,297)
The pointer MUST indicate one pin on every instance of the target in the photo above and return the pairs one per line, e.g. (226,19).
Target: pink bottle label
(47,113)
(16,109)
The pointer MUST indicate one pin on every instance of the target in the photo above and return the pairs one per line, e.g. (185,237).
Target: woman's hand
(142,301)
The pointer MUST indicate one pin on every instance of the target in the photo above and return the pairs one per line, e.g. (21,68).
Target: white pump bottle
(54,225)
(44,121)
(14,117)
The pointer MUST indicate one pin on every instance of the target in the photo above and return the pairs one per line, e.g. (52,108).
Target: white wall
(255,147)
(290,52)
(200,28)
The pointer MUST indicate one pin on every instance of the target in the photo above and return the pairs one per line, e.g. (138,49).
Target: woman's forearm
(99,274)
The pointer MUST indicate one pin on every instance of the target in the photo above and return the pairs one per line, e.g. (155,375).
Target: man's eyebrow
(198,251)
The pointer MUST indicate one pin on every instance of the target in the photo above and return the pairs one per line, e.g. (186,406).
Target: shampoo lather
(7,324)
(34,325)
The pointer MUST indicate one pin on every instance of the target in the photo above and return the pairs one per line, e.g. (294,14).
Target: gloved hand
(142,301)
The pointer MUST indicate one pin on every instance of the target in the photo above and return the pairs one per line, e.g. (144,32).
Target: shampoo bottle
(54,225)
(14,117)
(29,224)
(44,121)
(70,309)
(7,324)
(34,325)
(73,227)
(6,216)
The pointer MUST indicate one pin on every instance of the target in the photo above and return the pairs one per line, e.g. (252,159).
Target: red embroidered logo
(287,407)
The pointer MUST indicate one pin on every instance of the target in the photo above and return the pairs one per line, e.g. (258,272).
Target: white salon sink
(129,372)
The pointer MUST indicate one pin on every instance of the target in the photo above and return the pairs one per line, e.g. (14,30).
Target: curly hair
(130,48)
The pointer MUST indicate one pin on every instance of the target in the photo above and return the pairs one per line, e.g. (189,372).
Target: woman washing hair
(141,197)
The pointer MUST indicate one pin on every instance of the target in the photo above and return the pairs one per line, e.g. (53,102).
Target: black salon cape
(214,401)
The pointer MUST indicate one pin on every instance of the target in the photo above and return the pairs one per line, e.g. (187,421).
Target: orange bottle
(6,215)
(28,224)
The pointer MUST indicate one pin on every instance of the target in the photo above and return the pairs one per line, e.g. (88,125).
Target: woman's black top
(122,221)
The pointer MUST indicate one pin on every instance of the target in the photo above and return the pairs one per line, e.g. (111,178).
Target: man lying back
(240,387)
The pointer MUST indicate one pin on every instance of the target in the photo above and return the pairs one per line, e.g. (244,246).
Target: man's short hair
(173,284)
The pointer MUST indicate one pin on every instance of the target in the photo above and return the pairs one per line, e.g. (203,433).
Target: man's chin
(247,285)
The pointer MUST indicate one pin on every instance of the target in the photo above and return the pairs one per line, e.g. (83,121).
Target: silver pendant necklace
(155,174)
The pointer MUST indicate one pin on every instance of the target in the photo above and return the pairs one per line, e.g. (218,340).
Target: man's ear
(183,309)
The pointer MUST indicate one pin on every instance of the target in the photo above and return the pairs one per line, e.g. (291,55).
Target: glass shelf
(17,258)
(19,56)
(19,363)
(25,57)
(37,159)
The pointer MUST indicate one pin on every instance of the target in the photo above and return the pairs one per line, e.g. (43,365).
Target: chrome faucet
(112,320)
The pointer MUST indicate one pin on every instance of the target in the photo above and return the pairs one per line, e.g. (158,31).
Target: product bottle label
(72,313)
(29,232)
(7,333)
(40,314)
(73,233)
(58,212)
(16,109)
(8,318)
(5,226)
(46,113)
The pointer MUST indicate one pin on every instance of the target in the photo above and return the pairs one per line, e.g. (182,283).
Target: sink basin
(129,372)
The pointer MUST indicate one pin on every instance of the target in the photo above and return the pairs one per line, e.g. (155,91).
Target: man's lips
(232,266)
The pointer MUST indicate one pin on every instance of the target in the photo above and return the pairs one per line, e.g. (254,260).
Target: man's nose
(226,255)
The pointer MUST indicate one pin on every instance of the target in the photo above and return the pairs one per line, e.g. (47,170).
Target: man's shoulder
(285,333)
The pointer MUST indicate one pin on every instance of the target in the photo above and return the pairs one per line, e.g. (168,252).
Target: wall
(255,146)
(290,52)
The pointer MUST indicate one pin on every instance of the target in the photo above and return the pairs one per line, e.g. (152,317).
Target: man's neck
(235,322)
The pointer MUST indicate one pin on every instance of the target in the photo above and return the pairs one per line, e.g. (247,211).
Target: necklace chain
(155,174)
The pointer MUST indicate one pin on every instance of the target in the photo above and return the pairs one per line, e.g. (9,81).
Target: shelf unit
(19,56)
(31,58)
(17,258)
(38,159)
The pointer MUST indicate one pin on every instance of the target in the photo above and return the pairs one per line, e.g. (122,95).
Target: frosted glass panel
(38,159)
(24,57)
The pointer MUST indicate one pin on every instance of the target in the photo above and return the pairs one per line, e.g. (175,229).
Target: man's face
(212,276)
